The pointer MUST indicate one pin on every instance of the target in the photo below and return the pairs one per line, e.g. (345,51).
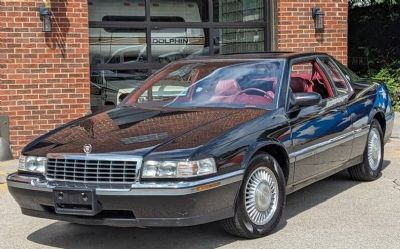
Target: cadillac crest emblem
(87,148)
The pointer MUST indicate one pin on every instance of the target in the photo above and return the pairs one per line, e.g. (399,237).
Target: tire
(263,172)
(370,169)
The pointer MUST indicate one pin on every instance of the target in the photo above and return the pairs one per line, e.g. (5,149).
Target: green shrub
(391,76)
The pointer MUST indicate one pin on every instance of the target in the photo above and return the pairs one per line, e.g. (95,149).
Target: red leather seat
(300,85)
(227,88)
(227,91)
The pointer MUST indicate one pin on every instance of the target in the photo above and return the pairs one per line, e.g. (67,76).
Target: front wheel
(261,199)
(371,166)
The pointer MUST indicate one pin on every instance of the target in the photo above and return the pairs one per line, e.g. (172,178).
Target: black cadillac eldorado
(205,139)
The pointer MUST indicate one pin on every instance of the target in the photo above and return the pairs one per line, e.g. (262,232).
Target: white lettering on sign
(170,41)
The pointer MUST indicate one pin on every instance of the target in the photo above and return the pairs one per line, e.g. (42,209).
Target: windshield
(222,83)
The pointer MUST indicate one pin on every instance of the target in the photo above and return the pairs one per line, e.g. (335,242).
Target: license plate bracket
(76,202)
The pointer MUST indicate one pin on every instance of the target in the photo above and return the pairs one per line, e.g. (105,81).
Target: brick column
(296,30)
(44,77)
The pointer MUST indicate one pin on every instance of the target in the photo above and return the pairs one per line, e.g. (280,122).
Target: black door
(321,134)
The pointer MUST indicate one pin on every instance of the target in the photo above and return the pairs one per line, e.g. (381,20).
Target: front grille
(91,171)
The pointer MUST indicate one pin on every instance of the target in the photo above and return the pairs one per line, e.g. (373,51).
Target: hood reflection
(130,129)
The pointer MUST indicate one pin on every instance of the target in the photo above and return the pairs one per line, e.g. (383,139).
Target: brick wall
(43,76)
(296,32)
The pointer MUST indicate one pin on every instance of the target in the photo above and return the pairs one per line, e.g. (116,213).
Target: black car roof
(258,55)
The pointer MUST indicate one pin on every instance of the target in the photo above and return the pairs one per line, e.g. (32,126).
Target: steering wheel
(253,89)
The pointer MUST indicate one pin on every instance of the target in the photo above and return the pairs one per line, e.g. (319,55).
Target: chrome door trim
(323,146)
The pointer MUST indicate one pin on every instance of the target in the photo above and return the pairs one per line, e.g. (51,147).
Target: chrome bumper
(138,188)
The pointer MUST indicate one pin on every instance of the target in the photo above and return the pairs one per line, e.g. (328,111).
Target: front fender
(258,146)
(382,108)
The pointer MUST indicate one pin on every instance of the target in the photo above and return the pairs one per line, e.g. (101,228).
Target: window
(100,10)
(308,77)
(239,11)
(337,78)
(189,10)
(235,40)
(350,75)
(233,83)
(137,19)
(108,47)
(171,44)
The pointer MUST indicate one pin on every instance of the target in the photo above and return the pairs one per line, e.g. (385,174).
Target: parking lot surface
(333,213)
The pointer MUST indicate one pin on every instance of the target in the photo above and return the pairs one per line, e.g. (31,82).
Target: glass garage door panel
(246,40)
(104,10)
(239,10)
(179,10)
(111,48)
(117,45)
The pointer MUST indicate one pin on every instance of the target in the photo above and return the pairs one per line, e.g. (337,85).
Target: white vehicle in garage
(108,87)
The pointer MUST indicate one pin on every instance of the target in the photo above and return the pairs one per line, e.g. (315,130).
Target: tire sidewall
(261,160)
(370,172)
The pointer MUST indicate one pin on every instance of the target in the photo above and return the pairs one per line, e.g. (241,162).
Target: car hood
(141,131)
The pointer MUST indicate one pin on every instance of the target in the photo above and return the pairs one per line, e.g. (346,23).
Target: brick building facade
(295,27)
(44,76)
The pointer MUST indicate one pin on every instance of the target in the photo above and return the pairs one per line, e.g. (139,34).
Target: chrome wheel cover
(261,196)
(374,149)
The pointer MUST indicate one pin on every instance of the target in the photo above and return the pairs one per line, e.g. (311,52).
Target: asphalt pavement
(334,213)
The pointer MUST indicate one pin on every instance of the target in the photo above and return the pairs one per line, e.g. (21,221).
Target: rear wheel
(371,166)
(261,199)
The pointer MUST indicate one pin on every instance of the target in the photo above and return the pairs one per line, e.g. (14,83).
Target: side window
(351,76)
(338,80)
(308,77)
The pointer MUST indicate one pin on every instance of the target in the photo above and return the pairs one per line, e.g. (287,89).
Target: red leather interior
(227,87)
(227,91)
(311,82)
(300,85)
(245,99)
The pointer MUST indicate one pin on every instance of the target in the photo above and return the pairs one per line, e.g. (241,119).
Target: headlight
(32,164)
(178,168)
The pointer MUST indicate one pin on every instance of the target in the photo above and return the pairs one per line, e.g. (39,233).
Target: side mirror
(305,99)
